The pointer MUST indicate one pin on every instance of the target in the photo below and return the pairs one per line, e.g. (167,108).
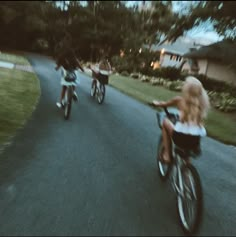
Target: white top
(103,72)
(190,129)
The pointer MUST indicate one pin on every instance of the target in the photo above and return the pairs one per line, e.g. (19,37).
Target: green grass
(11,58)
(19,95)
(220,126)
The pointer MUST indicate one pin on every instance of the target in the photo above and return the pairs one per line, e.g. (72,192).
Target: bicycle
(69,94)
(98,88)
(184,178)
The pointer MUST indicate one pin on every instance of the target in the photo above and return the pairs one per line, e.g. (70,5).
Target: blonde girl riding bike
(193,106)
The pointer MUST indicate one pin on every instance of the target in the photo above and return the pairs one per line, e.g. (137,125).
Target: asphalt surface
(96,173)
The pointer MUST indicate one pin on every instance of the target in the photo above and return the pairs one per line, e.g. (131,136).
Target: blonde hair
(196,101)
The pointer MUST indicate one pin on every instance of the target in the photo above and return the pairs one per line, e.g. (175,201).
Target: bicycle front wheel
(68,102)
(101,93)
(190,200)
(93,88)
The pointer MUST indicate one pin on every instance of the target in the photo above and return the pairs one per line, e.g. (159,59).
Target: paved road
(96,174)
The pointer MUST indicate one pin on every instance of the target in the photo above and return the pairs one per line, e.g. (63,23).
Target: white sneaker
(59,105)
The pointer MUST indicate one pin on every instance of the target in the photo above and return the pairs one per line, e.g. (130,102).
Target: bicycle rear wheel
(163,169)
(190,201)
(68,102)
(101,93)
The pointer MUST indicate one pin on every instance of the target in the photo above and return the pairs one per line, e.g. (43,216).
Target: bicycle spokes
(190,199)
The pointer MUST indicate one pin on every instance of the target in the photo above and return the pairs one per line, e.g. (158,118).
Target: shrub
(145,79)
(154,81)
(125,73)
(156,73)
(176,85)
(222,101)
(135,75)
(157,81)
(170,73)
(167,84)
(121,64)
(147,70)
(215,85)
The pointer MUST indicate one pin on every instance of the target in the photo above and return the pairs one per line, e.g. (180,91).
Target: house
(216,61)
(171,54)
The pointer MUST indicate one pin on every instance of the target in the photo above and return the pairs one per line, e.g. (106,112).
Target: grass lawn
(19,95)
(11,58)
(220,126)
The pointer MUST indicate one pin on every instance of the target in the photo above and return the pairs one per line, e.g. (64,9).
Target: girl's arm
(172,102)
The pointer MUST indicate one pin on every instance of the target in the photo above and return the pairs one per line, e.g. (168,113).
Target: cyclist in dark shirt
(69,63)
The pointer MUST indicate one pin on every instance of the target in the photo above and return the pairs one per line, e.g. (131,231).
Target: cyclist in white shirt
(103,70)
(69,64)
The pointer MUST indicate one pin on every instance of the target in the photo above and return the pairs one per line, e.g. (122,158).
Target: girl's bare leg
(167,131)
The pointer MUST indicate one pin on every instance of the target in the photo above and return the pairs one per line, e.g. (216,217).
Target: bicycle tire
(93,89)
(163,169)
(68,105)
(197,196)
(101,93)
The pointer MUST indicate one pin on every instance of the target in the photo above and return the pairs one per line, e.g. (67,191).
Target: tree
(157,21)
(220,13)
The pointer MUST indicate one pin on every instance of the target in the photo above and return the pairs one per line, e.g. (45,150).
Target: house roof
(180,47)
(223,51)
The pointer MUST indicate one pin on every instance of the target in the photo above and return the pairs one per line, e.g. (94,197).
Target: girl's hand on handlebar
(159,103)
(156,102)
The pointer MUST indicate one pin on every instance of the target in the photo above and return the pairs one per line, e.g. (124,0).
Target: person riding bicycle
(69,63)
(103,70)
(193,106)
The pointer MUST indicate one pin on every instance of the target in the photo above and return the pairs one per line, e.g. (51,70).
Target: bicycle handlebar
(173,116)
(163,107)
